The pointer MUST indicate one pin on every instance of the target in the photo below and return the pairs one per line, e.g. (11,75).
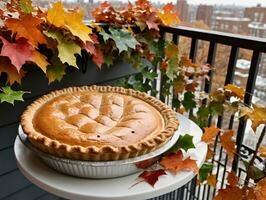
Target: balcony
(15,186)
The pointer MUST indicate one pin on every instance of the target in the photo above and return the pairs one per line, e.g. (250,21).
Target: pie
(98,123)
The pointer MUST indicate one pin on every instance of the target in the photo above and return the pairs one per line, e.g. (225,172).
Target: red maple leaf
(97,57)
(18,52)
(151,177)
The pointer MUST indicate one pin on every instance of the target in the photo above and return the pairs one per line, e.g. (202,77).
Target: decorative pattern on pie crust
(98,123)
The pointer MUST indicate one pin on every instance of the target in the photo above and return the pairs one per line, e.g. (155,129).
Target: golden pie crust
(98,123)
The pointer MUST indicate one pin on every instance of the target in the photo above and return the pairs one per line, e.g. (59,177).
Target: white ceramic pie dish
(94,169)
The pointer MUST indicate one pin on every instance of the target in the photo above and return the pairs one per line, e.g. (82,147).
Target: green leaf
(66,48)
(176,102)
(25,6)
(184,142)
(108,60)
(56,71)
(254,173)
(149,75)
(188,101)
(105,35)
(8,95)
(123,39)
(205,169)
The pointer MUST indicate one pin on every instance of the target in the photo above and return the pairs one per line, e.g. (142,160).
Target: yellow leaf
(167,15)
(69,20)
(211,180)
(55,15)
(40,60)
(257,116)
(235,91)
(262,151)
(209,134)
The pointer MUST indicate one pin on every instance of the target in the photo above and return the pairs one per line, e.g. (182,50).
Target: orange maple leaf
(27,26)
(153,21)
(12,74)
(229,193)
(167,15)
(174,162)
(40,60)
(228,144)
(260,190)
(235,91)
(211,180)
(209,134)
(210,153)
(232,179)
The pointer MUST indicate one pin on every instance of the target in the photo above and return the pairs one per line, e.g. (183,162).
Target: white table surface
(112,189)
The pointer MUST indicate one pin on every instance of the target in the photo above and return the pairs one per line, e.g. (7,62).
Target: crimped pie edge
(106,152)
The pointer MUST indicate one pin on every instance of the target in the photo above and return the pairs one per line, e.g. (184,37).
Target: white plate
(117,188)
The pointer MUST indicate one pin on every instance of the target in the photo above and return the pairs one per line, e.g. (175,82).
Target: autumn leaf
(25,6)
(151,177)
(209,134)
(70,20)
(235,91)
(66,48)
(189,101)
(147,163)
(12,74)
(229,193)
(254,172)
(27,26)
(98,58)
(210,153)
(18,52)
(257,116)
(232,179)
(167,16)
(171,50)
(56,71)
(211,180)
(8,95)
(153,21)
(262,151)
(174,162)
(228,144)
(40,60)
(260,190)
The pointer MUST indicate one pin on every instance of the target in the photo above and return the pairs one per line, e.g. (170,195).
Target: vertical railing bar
(161,96)
(193,49)
(176,38)
(253,72)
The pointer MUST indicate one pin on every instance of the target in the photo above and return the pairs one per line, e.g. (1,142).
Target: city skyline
(208,2)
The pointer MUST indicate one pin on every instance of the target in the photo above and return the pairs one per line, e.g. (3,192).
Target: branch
(251,163)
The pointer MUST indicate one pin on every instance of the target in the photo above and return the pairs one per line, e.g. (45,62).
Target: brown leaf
(229,193)
(211,180)
(257,116)
(174,162)
(209,134)
(152,21)
(232,179)
(151,177)
(228,144)
(260,190)
(210,153)
(12,74)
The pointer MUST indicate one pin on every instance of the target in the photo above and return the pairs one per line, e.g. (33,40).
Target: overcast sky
(212,2)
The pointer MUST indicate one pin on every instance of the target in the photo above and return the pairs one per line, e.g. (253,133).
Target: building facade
(256,14)
(182,10)
(205,13)
(231,24)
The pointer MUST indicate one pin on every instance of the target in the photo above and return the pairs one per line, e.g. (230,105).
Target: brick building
(232,24)
(256,14)
(182,9)
(205,13)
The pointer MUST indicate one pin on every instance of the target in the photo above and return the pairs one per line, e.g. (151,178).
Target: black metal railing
(236,42)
